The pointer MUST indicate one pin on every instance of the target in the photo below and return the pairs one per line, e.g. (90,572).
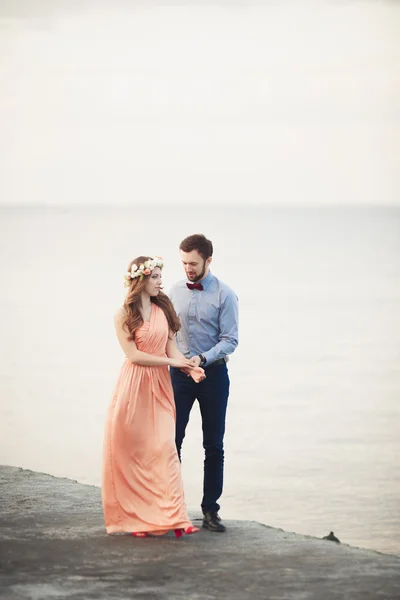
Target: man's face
(194,264)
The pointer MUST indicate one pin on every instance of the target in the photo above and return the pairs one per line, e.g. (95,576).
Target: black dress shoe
(212,522)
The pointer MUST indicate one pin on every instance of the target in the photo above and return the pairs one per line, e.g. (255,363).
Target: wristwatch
(203,360)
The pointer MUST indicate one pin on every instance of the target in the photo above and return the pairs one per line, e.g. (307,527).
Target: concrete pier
(53,545)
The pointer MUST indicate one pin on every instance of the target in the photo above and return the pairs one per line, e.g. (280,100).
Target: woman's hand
(195,361)
(181,363)
(197,374)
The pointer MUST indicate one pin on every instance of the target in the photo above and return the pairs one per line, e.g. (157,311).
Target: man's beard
(201,274)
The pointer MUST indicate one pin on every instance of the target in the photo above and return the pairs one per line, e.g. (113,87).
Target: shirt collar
(207,280)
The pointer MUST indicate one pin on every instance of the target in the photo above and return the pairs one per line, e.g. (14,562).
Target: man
(208,312)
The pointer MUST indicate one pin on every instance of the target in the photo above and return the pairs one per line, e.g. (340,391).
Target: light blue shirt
(209,318)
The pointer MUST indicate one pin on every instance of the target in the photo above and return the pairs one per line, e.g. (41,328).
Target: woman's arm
(172,349)
(197,373)
(143,358)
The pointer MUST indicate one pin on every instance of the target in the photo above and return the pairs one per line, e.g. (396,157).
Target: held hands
(190,366)
(195,361)
(197,374)
(182,363)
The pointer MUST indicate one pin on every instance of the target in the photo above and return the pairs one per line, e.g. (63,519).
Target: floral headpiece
(143,269)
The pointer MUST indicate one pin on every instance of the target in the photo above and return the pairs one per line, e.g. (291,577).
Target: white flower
(156,262)
(136,271)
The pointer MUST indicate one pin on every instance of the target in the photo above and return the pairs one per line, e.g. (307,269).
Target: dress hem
(154,530)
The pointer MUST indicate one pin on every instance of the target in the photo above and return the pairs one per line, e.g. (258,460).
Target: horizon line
(213,205)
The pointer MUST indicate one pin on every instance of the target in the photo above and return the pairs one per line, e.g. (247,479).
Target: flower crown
(143,269)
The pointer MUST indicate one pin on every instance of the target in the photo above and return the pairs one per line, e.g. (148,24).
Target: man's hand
(197,374)
(195,361)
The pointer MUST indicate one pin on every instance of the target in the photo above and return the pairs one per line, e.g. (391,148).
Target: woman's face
(153,285)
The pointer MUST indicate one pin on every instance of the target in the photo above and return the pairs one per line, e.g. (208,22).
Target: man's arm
(228,323)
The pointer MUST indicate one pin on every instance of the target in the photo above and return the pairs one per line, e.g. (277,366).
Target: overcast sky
(199,102)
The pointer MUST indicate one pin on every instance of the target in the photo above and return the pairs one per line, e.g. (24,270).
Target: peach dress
(142,485)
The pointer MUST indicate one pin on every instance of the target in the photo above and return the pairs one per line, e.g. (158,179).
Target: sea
(313,427)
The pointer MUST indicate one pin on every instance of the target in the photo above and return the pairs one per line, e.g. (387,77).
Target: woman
(142,486)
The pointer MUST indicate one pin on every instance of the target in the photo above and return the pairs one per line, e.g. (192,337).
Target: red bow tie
(195,286)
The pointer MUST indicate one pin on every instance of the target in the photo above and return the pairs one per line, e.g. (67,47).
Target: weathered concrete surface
(53,545)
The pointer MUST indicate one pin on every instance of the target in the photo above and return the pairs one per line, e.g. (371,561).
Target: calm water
(313,433)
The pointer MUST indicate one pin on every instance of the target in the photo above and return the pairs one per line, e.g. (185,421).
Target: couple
(142,487)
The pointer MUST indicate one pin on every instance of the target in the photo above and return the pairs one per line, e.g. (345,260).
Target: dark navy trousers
(212,394)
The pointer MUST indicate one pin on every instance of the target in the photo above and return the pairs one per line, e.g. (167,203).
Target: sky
(199,103)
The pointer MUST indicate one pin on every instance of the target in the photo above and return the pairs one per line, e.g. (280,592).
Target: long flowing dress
(142,485)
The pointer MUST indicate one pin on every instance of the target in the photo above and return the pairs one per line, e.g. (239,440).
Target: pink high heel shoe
(140,534)
(189,530)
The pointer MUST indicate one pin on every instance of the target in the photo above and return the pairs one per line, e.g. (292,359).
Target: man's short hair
(198,242)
